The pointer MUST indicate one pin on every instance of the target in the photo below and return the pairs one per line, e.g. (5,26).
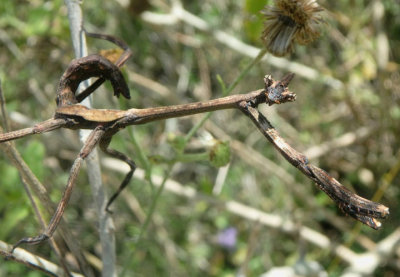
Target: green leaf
(253,23)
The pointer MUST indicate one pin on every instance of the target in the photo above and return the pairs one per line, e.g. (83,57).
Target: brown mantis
(105,123)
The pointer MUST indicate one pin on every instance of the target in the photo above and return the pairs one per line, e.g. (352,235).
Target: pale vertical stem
(106,225)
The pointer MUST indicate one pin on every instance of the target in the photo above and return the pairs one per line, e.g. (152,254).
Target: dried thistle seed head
(289,21)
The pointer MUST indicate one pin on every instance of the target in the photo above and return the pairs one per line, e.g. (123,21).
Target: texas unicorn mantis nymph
(105,123)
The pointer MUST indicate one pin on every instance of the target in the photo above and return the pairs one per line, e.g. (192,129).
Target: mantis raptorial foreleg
(87,148)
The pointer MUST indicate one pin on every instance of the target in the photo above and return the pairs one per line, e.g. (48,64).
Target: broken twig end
(277,92)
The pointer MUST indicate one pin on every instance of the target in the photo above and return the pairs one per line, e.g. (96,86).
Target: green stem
(144,161)
(196,157)
(194,129)
(188,158)
(246,70)
(148,217)
(154,204)
(226,92)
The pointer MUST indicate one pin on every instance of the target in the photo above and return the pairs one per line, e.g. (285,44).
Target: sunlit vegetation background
(351,130)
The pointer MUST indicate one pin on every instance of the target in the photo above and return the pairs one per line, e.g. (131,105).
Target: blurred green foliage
(253,24)
(181,239)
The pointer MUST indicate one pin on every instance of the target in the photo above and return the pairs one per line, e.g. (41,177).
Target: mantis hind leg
(120,156)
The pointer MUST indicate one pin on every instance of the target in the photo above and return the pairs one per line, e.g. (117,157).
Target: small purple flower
(227,238)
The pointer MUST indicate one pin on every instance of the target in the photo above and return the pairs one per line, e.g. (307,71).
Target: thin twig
(357,207)
(43,195)
(365,264)
(244,211)
(30,182)
(178,13)
(33,261)
(29,192)
(339,142)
